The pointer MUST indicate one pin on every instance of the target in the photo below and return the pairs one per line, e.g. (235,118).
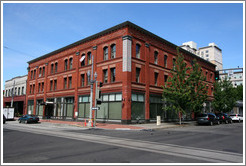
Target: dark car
(224,118)
(207,118)
(28,119)
(4,119)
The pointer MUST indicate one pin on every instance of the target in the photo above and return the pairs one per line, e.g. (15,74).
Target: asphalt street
(42,143)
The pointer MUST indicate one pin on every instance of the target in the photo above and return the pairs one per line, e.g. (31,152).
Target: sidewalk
(147,126)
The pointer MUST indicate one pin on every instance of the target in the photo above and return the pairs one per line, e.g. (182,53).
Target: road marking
(167,149)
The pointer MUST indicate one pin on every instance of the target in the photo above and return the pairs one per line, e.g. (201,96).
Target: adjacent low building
(15,93)
(132,63)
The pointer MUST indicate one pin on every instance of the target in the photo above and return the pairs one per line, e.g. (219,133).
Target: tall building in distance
(211,53)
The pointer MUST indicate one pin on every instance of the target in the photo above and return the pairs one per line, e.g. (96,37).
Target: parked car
(236,117)
(207,118)
(224,118)
(28,119)
(4,119)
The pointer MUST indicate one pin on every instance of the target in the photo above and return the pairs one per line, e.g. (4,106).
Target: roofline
(232,69)
(16,77)
(211,46)
(124,24)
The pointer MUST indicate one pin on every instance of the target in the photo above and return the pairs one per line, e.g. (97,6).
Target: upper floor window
(42,86)
(70,63)
(105,53)
(52,68)
(43,71)
(113,51)
(51,85)
(137,51)
(112,70)
(138,74)
(174,64)
(88,79)
(65,83)
(165,78)
(56,65)
(40,72)
(156,57)
(82,60)
(165,60)
(34,75)
(89,58)
(22,91)
(82,80)
(69,82)
(55,84)
(156,78)
(105,75)
(39,87)
(19,91)
(65,66)
(31,74)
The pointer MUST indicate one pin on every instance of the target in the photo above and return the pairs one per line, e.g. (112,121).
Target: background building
(15,89)
(234,74)
(211,53)
(132,63)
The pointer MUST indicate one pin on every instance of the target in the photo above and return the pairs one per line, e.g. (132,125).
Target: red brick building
(131,62)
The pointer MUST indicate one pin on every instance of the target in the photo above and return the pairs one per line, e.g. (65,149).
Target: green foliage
(175,91)
(186,89)
(239,92)
(225,96)
(198,87)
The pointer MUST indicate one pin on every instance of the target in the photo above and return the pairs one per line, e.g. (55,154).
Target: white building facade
(16,86)
(211,53)
(234,74)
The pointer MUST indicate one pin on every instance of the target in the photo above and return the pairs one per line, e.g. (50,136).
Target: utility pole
(13,92)
(92,81)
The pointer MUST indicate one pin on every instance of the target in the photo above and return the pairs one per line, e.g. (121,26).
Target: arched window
(156,57)
(65,65)
(137,51)
(165,60)
(105,53)
(82,62)
(56,65)
(52,68)
(89,58)
(113,51)
(70,63)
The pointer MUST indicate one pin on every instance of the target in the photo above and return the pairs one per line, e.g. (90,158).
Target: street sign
(95,108)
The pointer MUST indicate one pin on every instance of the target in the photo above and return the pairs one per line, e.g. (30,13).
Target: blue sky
(31,30)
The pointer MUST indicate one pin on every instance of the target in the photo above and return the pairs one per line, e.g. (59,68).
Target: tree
(198,87)
(225,96)
(239,92)
(176,92)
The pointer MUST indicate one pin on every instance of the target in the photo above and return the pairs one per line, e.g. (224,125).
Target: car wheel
(211,123)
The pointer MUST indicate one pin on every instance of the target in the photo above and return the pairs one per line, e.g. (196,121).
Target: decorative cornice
(127,37)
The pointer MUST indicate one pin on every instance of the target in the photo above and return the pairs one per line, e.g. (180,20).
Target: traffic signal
(99,101)
(216,75)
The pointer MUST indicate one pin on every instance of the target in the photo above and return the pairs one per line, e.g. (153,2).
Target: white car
(236,117)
